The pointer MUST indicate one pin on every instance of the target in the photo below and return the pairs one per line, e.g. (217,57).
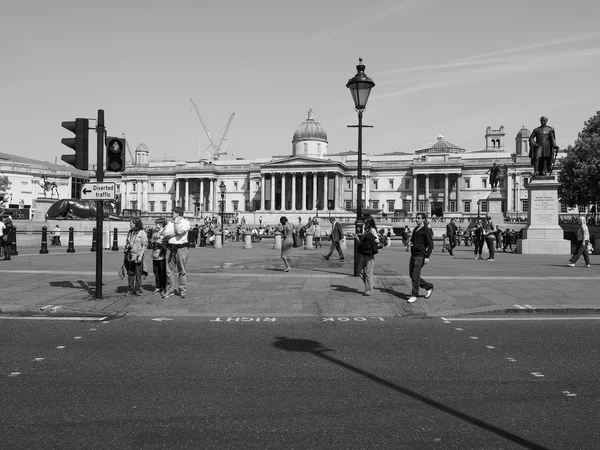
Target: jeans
(159,267)
(581,250)
(491,243)
(176,262)
(134,275)
(414,268)
(365,270)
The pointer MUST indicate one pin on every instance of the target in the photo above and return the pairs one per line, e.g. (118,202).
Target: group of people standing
(7,238)
(169,243)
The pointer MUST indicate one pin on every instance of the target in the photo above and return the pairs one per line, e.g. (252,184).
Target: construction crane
(220,149)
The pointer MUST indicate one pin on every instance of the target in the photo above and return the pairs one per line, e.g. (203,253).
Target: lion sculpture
(79,209)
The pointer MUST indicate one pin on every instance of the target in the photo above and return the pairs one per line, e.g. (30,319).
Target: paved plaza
(250,283)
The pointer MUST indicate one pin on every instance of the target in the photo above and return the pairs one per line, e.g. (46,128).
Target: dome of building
(310,130)
(141,147)
(523,132)
(440,146)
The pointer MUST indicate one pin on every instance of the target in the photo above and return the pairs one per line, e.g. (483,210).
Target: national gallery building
(440,179)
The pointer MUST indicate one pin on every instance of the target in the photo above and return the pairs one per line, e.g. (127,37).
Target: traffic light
(115,154)
(79,143)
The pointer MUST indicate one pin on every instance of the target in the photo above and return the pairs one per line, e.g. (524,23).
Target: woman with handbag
(287,232)
(8,237)
(368,246)
(135,244)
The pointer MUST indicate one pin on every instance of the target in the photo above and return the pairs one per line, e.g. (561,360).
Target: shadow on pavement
(319,350)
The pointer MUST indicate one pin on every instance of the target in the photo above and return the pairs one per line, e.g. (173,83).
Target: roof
(310,130)
(440,146)
(42,165)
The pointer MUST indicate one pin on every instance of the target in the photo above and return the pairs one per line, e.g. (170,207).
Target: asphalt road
(361,383)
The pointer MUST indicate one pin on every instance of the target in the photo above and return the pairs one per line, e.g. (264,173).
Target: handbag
(297,242)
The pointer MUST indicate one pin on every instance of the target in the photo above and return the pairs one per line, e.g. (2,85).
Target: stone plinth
(494,202)
(543,235)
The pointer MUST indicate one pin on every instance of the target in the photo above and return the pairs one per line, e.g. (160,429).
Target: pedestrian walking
(583,241)
(135,244)
(176,232)
(367,249)
(336,236)
(451,235)
(317,235)
(8,238)
(56,236)
(420,251)
(287,231)
(159,253)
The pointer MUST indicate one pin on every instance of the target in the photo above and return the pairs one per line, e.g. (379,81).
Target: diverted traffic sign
(98,191)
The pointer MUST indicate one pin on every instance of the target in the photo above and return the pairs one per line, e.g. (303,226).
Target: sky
(449,67)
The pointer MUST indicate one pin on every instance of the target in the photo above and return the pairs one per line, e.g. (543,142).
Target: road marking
(77,337)
(38,359)
(87,319)
(492,319)
(459,329)
(569,394)
(512,359)
(474,337)
(529,306)
(61,347)
(92,329)
(161,319)
(520,307)
(537,374)
(14,374)
(490,347)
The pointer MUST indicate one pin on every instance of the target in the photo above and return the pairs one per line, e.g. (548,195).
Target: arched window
(305,148)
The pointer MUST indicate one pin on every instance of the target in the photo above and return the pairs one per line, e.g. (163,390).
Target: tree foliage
(4,186)
(580,169)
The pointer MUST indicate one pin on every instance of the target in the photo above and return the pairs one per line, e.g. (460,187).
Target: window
(375,204)
(391,184)
(421,205)
(151,206)
(525,205)
(484,207)
(407,205)
(484,182)
(118,188)
(165,188)
(235,185)
(134,204)
(375,183)
(151,187)
(421,184)
(563,208)
(467,184)
(390,204)
(581,209)
(452,185)
(467,206)
(348,183)
(163,206)
(258,186)
(256,205)
(133,187)
(452,205)
(348,204)
(406,184)
(235,204)
(436,184)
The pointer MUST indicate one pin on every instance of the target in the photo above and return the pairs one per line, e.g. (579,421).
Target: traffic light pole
(100,131)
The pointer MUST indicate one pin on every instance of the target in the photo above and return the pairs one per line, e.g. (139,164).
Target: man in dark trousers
(420,251)
(451,235)
(336,236)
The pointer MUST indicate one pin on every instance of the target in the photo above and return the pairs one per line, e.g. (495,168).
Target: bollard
(115,246)
(44,249)
(277,240)
(94,240)
(308,242)
(71,248)
(13,247)
(218,242)
(247,240)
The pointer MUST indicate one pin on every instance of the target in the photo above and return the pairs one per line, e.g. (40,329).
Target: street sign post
(98,191)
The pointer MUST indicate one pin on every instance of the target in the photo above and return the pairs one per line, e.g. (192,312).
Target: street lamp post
(360,87)
(223,189)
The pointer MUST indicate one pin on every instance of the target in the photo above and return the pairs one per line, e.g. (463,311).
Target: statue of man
(542,144)
(494,171)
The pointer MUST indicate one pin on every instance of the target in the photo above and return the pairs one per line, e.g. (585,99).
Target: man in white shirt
(176,233)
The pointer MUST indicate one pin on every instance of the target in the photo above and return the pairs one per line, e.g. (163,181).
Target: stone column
(272,208)
(509,188)
(262,191)
(446,193)
(415,198)
(283,199)
(459,207)
(368,190)
(314,204)
(213,196)
(177,198)
(304,191)
(201,196)
(325,191)
(294,192)
(145,197)
(427,205)
(186,198)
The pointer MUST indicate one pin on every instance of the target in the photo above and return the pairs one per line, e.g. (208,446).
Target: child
(159,263)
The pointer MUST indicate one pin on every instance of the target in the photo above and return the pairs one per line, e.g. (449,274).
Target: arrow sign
(98,191)
(161,319)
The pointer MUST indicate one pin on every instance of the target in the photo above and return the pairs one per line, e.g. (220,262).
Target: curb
(58,312)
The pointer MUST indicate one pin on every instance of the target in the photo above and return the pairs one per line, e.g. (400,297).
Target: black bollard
(71,248)
(94,240)
(13,247)
(115,246)
(44,249)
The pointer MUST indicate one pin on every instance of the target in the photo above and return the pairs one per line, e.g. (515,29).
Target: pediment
(300,162)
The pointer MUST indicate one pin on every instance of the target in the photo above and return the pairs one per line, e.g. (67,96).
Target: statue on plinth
(542,149)
(494,174)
